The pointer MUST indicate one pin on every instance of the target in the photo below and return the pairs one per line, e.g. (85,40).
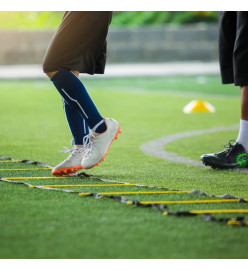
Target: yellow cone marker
(198,106)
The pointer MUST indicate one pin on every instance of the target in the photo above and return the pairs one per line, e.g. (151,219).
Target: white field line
(155,148)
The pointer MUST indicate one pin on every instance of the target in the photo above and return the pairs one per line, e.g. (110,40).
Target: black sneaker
(234,156)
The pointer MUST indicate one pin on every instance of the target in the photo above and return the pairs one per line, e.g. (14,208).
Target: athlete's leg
(240,56)
(74,93)
(51,74)
(79,129)
(104,130)
(244,103)
(243,129)
(77,124)
(72,48)
(233,50)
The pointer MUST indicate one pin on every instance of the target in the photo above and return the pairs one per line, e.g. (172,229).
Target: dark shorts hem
(227,82)
(241,82)
(80,70)
(236,82)
(227,77)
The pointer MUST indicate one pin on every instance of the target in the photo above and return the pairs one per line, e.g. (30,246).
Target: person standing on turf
(79,46)
(233,58)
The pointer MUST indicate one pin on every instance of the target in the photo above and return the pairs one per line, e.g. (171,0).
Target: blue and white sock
(77,124)
(74,93)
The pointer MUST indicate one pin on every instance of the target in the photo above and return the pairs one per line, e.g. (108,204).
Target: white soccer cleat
(72,164)
(97,146)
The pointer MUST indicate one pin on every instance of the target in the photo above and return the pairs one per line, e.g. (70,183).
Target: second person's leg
(233,49)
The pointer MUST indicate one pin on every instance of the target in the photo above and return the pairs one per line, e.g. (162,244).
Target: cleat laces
(67,149)
(88,144)
(229,147)
(72,150)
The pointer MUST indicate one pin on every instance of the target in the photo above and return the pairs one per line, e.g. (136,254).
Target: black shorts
(79,43)
(233,47)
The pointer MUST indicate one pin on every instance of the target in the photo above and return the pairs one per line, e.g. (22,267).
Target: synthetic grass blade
(134,192)
(188,202)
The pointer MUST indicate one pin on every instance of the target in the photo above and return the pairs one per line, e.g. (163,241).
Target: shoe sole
(102,159)
(214,166)
(66,171)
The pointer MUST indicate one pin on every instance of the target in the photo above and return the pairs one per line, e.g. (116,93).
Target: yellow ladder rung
(135,192)
(89,185)
(186,202)
(216,211)
(219,211)
(46,177)
(9,161)
(34,169)
(236,222)
(42,177)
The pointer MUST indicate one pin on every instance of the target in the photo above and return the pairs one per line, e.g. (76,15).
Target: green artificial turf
(50,224)
(221,140)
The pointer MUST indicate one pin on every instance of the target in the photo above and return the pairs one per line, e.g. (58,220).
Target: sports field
(50,224)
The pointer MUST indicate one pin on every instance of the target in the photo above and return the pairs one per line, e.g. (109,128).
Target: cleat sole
(66,171)
(216,166)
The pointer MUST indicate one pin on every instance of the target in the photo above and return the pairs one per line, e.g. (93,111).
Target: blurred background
(134,36)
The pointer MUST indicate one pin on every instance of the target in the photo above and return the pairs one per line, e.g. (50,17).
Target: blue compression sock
(75,94)
(77,124)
